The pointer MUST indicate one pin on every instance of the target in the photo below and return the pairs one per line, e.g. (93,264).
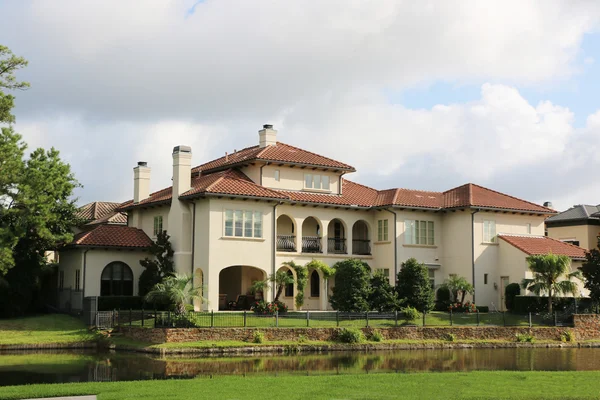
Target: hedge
(108,303)
(535,304)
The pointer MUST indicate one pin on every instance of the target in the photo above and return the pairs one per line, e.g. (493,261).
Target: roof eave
(142,205)
(245,197)
(502,210)
(269,161)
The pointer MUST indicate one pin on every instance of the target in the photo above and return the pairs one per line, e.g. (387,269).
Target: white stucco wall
(98,259)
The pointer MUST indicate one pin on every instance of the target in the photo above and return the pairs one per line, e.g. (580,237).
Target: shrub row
(108,303)
(525,304)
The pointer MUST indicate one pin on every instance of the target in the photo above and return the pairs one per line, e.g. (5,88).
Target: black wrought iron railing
(286,243)
(311,244)
(336,245)
(361,247)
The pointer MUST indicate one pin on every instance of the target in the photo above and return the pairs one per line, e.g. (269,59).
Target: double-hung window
(243,223)
(158,225)
(489,231)
(419,232)
(313,181)
(382,230)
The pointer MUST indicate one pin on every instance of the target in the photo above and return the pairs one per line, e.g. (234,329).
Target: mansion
(238,218)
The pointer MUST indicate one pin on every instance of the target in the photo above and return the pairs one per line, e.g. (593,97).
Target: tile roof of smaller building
(576,213)
(112,236)
(96,210)
(278,153)
(536,245)
(477,196)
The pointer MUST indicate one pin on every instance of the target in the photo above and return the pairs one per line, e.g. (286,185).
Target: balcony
(311,244)
(286,243)
(336,246)
(361,247)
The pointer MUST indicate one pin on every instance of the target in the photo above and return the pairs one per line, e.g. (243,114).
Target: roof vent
(142,163)
(548,204)
(267,126)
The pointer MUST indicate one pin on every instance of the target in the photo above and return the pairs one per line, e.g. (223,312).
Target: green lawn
(473,385)
(54,328)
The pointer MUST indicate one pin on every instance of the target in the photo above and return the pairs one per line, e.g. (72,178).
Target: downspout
(194,248)
(84,265)
(273,245)
(260,179)
(473,250)
(395,247)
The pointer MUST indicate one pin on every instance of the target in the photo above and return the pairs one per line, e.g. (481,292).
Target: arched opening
(336,237)
(311,236)
(289,291)
(286,238)
(315,284)
(116,280)
(235,287)
(289,288)
(360,238)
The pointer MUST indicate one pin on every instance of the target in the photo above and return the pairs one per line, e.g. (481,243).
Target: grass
(44,329)
(473,385)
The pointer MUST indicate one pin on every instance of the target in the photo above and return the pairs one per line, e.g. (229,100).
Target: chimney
(141,182)
(267,136)
(548,204)
(182,170)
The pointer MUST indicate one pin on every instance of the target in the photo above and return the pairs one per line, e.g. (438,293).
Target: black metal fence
(329,319)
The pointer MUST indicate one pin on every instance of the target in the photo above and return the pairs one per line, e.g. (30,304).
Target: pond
(72,366)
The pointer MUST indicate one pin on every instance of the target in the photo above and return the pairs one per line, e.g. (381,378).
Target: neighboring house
(102,258)
(579,225)
(236,219)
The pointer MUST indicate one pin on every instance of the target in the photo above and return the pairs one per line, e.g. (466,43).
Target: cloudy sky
(423,95)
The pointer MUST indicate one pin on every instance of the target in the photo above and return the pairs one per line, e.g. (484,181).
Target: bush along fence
(321,319)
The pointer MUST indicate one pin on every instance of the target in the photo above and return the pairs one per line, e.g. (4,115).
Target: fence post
(504,318)
(555,319)
(367,317)
(130,318)
(337,318)
(451,322)
(423,318)
(212,318)
(119,317)
(477,311)
(155,316)
(308,318)
(244,318)
(396,317)
(529,319)
(142,316)
(169,319)
(276,318)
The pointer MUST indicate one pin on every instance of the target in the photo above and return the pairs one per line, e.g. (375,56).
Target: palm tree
(281,279)
(178,290)
(551,274)
(458,286)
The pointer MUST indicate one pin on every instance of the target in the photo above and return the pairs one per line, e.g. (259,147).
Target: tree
(552,275)
(281,279)
(414,287)
(176,289)
(9,63)
(591,272)
(383,297)
(459,287)
(352,286)
(158,267)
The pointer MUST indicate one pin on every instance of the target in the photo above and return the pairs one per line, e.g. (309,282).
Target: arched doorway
(286,236)
(361,243)
(235,285)
(116,280)
(311,236)
(336,237)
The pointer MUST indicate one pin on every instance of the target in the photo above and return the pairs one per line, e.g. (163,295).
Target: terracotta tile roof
(353,194)
(159,197)
(230,182)
(410,198)
(112,236)
(281,152)
(96,210)
(117,218)
(478,196)
(535,245)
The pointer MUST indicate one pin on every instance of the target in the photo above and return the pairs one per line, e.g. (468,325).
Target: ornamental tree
(591,273)
(159,266)
(352,287)
(383,297)
(414,287)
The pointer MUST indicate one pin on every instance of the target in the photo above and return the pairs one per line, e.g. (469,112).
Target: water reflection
(19,368)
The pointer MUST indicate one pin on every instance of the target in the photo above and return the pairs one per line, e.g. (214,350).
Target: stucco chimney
(182,169)
(141,182)
(267,136)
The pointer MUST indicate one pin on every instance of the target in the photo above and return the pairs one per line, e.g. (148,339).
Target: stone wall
(586,327)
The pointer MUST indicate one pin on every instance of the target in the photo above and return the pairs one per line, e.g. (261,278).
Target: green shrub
(413,286)
(525,337)
(449,337)
(510,292)
(567,336)
(351,335)
(109,303)
(537,304)
(442,299)
(352,286)
(383,297)
(410,314)
(483,309)
(301,339)
(258,337)
(376,336)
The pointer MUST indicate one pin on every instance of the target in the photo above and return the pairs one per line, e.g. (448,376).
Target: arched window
(289,289)
(315,284)
(116,280)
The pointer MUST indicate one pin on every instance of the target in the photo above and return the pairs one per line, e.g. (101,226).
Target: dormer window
(319,182)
